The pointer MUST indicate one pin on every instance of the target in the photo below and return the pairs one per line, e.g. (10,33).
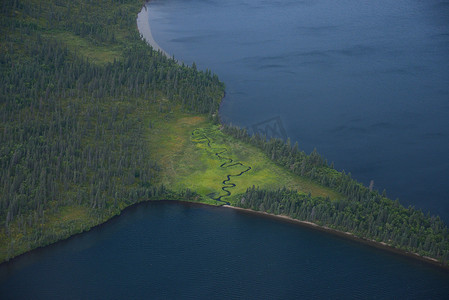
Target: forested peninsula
(94,120)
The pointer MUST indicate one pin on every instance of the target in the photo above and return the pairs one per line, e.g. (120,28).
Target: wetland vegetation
(93,121)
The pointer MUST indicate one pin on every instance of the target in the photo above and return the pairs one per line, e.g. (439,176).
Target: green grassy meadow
(189,163)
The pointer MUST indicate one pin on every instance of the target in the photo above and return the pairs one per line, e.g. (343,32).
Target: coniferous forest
(73,130)
(362,211)
(79,93)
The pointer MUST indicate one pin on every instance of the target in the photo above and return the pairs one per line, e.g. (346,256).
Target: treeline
(75,133)
(362,211)
(378,219)
(312,166)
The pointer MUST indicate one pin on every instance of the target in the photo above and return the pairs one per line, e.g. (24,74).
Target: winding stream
(199,135)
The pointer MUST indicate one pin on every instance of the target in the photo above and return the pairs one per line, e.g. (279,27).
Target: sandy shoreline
(380,245)
(143,25)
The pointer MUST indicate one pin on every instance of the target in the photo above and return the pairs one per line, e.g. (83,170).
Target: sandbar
(143,25)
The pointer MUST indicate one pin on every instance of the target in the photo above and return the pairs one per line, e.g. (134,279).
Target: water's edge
(143,26)
(98,226)
(282,218)
(347,235)
(145,30)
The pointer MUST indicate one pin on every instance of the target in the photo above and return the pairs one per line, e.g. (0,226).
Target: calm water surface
(175,250)
(365,82)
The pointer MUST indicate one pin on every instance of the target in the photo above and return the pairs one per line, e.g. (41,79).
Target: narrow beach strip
(380,245)
(143,25)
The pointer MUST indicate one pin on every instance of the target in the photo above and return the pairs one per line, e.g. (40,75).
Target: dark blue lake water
(365,82)
(177,251)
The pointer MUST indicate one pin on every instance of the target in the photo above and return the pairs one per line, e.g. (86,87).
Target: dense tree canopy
(79,91)
(73,131)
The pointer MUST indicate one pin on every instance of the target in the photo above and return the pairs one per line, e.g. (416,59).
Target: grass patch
(190,161)
(98,54)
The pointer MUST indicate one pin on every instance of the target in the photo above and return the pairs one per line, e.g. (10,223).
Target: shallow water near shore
(180,250)
(366,83)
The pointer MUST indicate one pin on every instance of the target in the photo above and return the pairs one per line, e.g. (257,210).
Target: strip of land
(349,235)
(143,25)
(94,121)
